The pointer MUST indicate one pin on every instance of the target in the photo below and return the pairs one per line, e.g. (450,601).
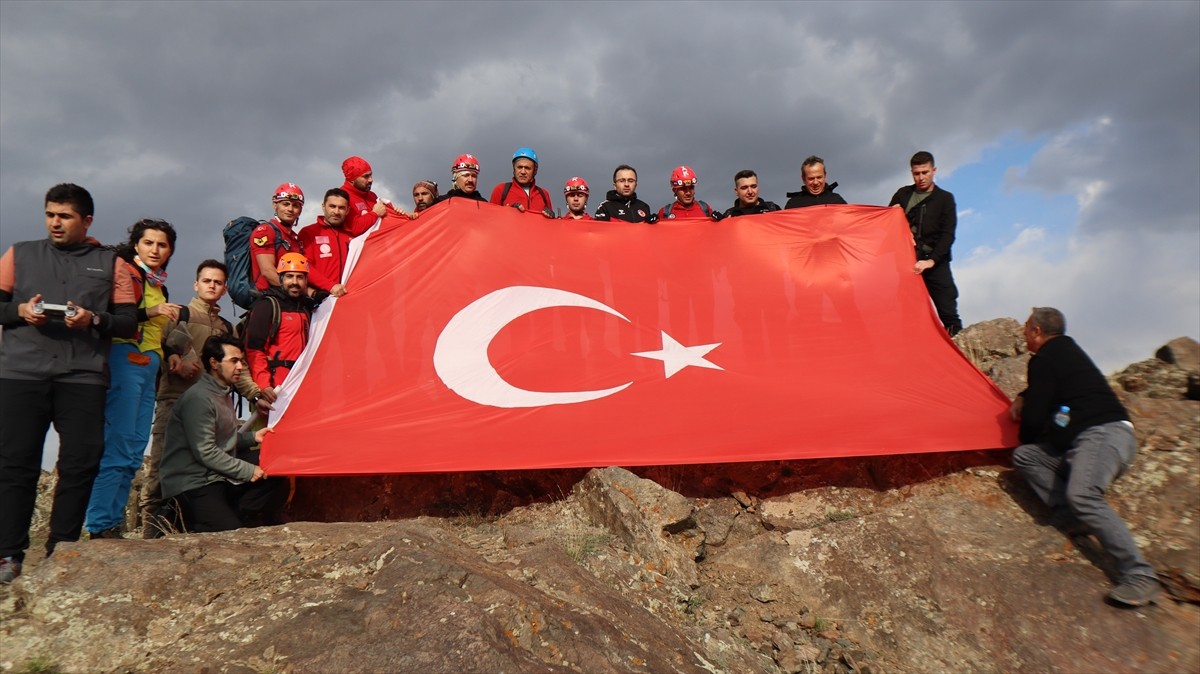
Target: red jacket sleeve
(496,192)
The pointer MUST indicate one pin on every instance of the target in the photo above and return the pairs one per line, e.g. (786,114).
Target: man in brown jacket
(182,341)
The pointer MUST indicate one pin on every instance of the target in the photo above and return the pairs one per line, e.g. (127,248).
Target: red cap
(354,167)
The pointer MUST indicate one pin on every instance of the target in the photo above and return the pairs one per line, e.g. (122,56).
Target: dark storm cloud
(194,112)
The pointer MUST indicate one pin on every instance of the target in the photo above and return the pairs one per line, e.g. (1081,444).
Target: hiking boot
(1136,591)
(114,532)
(9,570)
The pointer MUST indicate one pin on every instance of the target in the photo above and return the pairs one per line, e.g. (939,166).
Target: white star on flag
(676,356)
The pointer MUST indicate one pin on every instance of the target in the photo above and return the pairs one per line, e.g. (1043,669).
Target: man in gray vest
(62,299)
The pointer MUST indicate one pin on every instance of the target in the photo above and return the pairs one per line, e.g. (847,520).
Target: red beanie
(354,167)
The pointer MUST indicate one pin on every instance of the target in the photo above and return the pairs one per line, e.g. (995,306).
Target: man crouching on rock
(1078,439)
(216,491)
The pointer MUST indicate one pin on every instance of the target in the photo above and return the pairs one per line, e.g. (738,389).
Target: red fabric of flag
(481,338)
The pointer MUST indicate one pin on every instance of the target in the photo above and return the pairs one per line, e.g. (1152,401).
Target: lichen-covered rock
(656,523)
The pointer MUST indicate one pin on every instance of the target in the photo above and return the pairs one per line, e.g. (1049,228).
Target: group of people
(92,344)
(352,209)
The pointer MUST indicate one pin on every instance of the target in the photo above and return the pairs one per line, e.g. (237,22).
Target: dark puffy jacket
(763,206)
(805,198)
(459,194)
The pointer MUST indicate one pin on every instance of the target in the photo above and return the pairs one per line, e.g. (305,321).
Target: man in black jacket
(745,186)
(1078,439)
(815,191)
(622,203)
(932,217)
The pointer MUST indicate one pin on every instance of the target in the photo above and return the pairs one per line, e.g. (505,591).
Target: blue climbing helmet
(525,153)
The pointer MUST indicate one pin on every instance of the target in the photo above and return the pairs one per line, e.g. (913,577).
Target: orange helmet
(292,262)
(576,184)
(682,176)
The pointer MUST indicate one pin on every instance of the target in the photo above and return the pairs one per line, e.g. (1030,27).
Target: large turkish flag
(480,338)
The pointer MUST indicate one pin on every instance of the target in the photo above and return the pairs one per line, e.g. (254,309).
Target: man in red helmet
(686,205)
(464,180)
(272,239)
(327,243)
(575,193)
(523,193)
(277,327)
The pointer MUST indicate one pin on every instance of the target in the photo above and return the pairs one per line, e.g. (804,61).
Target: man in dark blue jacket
(1078,439)
(932,217)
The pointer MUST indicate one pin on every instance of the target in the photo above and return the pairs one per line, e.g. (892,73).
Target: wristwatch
(95,320)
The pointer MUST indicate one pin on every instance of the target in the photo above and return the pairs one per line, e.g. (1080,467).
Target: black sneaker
(114,532)
(1136,591)
(10,568)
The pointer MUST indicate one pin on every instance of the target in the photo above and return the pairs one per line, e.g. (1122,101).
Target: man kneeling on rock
(205,465)
(1078,439)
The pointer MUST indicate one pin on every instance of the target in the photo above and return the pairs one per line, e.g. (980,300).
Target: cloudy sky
(1067,131)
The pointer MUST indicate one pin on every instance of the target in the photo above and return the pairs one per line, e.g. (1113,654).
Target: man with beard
(206,465)
(621,202)
(327,244)
(424,192)
(277,327)
(364,207)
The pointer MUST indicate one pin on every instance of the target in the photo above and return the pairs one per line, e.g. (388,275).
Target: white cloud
(1124,293)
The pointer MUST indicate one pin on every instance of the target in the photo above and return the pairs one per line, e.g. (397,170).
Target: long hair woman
(133,364)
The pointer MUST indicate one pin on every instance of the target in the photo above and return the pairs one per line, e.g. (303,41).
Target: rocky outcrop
(920,564)
(997,347)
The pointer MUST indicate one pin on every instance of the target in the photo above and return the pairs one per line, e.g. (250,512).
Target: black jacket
(805,198)
(1060,373)
(456,193)
(932,222)
(762,206)
(614,207)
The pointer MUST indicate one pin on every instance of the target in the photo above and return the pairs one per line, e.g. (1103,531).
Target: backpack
(240,283)
(239,330)
(508,188)
(708,211)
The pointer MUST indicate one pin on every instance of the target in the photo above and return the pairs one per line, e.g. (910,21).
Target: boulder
(656,523)
(1183,352)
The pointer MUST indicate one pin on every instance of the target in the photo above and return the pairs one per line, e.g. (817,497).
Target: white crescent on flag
(460,357)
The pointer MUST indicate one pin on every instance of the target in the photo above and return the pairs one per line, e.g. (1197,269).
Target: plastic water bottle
(1062,417)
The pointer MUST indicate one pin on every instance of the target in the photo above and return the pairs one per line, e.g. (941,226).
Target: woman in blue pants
(134,363)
